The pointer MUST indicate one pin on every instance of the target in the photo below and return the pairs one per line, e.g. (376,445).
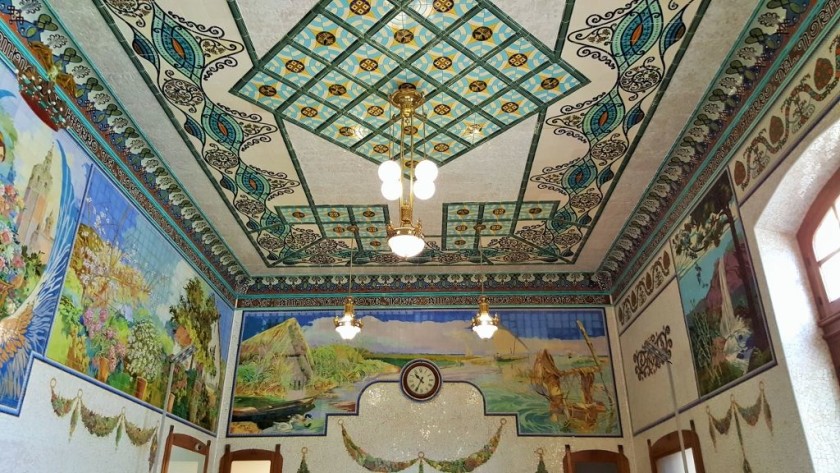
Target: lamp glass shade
(424,189)
(406,245)
(391,190)
(426,170)
(347,327)
(389,171)
(484,326)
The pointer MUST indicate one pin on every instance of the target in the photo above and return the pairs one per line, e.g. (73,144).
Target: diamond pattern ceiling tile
(518,59)
(442,62)
(482,33)
(463,55)
(478,85)
(325,38)
(549,83)
(361,15)
(294,66)
(345,130)
(510,107)
(308,112)
(403,35)
(368,64)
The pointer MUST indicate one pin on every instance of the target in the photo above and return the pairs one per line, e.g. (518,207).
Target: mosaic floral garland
(460,465)
(750,414)
(102,425)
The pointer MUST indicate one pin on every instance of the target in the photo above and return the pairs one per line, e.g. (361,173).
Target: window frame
(829,311)
(669,444)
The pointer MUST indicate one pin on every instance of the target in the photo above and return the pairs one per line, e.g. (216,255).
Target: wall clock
(420,380)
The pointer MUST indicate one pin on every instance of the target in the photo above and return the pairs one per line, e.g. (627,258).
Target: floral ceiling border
(732,104)
(409,300)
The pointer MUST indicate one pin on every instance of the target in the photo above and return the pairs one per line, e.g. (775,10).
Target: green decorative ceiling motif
(480,71)
(498,71)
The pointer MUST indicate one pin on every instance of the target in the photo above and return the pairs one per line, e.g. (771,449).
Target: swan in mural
(734,333)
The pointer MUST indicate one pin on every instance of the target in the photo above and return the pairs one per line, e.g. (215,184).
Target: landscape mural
(726,324)
(43,174)
(129,301)
(551,368)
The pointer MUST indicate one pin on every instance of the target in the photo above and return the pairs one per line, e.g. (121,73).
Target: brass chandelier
(406,239)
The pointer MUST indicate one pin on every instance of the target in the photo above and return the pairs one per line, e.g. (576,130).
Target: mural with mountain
(726,324)
(43,174)
(130,301)
(551,368)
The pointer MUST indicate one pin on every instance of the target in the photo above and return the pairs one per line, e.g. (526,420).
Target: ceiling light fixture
(406,239)
(483,324)
(348,326)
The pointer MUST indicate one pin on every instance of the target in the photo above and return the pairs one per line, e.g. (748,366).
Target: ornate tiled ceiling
(281,164)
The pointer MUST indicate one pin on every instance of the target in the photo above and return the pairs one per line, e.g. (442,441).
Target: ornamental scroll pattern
(655,277)
(808,96)
(773,26)
(102,425)
(460,465)
(648,363)
(750,414)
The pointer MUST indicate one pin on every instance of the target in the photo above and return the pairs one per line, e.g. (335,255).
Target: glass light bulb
(424,189)
(391,190)
(406,246)
(389,171)
(426,170)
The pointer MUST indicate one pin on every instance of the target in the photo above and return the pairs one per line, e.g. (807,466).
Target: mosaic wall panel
(552,368)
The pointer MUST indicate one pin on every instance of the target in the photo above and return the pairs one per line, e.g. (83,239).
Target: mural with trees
(726,324)
(129,302)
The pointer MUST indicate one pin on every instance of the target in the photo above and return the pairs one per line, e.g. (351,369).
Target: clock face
(420,380)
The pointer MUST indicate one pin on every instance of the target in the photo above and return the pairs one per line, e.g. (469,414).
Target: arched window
(819,242)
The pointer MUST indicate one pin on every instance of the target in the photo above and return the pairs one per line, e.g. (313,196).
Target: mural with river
(551,368)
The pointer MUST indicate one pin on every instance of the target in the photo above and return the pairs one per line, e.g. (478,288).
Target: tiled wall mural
(43,175)
(129,300)
(719,293)
(550,368)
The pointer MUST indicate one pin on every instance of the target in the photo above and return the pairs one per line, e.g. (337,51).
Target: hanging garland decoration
(303,468)
(461,465)
(751,416)
(102,425)
(541,465)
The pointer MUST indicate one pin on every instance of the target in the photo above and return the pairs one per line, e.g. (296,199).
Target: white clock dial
(420,380)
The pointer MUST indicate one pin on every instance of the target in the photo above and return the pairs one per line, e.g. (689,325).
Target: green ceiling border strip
(225,289)
(626,276)
(176,124)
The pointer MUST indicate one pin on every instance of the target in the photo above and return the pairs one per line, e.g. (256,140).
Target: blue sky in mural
(523,323)
(118,221)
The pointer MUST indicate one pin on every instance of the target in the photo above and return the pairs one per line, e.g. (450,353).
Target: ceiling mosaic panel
(316,235)
(480,71)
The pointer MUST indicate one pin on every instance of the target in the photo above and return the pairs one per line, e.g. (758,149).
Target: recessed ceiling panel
(479,70)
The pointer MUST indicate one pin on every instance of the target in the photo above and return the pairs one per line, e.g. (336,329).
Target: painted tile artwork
(551,368)
(130,300)
(726,324)
(43,174)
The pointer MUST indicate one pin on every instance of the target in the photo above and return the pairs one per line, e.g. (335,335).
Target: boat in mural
(555,385)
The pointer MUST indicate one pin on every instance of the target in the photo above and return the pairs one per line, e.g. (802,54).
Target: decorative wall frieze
(655,276)
(648,363)
(408,300)
(730,108)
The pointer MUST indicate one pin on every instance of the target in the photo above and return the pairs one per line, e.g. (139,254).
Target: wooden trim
(593,456)
(670,444)
(252,454)
(805,236)
(187,442)
(829,311)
